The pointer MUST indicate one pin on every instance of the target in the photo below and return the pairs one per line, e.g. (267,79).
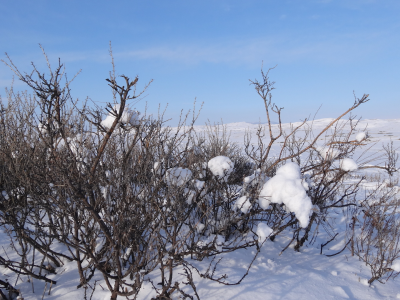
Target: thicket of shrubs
(123,194)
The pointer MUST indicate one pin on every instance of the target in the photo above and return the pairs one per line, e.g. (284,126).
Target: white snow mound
(128,117)
(243,204)
(263,231)
(348,165)
(286,187)
(396,265)
(327,153)
(221,166)
(361,136)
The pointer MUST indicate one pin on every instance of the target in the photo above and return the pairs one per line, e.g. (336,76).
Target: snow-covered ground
(380,131)
(274,275)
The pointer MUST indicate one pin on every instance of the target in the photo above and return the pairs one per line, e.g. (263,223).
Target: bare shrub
(377,235)
(127,196)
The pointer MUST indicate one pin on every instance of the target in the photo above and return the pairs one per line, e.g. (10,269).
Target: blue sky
(324,50)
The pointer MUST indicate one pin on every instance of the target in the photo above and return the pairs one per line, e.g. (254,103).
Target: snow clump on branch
(348,165)
(361,136)
(243,204)
(328,153)
(396,265)
(286,187)
(221,166)
(263,231)
(129,116)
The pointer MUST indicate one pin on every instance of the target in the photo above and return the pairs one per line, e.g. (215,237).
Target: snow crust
(221,166)
(348,165)
(287,187)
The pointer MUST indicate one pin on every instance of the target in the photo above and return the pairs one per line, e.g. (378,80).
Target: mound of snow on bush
(396,265)
(263,231)
(128,117)
(243,204)
(327,153)
(361,136)
(221,166)
(348,165)
(286,187)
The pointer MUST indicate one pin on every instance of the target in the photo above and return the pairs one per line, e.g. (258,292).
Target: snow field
(274,275)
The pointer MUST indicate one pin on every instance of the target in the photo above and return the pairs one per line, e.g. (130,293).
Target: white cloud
(285,47)
(338,48)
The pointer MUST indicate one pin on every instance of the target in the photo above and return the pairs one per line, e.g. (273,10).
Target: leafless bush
(127,196)
(378,234)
